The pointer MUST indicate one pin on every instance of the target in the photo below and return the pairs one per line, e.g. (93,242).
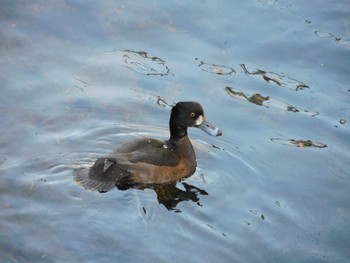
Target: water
(77,79)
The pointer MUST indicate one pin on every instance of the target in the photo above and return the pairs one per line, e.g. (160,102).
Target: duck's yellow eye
(193,114)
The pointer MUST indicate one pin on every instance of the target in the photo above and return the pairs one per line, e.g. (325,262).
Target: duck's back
(148,151)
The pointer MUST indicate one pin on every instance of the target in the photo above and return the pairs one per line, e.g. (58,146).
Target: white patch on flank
(165,147)
(199,120)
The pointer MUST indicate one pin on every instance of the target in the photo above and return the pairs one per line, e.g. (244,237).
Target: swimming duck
(150,161)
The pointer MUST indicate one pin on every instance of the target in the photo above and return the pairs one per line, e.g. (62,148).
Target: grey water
(78,78)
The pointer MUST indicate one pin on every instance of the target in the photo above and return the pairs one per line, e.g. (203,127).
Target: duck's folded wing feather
(148,151)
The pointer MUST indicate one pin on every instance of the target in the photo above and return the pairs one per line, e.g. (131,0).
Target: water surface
(79,78)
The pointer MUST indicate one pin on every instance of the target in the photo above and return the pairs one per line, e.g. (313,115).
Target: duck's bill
(208,128)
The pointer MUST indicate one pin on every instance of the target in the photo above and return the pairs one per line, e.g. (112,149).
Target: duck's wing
(105,174)
(148,151)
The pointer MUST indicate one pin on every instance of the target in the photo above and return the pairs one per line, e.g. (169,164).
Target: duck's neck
(177,131)
(182,145)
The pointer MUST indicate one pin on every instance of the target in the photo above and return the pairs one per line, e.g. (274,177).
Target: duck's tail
(82,177)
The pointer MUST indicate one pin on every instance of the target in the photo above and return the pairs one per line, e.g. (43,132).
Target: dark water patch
(142,62)
(275,78)
(267,101)
(300,143)
(216,69)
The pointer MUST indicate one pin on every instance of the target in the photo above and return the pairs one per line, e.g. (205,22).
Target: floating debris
(299,143)
(260,100)
(278,79)
(216,69)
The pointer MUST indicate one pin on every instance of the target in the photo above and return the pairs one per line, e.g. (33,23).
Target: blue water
(77,78)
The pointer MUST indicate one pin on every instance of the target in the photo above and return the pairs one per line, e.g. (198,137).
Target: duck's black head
(189,114)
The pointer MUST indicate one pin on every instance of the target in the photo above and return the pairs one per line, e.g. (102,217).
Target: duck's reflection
(170,195)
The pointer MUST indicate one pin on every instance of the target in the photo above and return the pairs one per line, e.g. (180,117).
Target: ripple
(278,79)
(267,101)
(299,143)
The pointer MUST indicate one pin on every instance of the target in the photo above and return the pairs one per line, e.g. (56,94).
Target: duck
(148,161)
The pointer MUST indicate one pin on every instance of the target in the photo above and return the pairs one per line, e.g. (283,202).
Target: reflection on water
(279,79)
(266,101)
(216,69)
(322,34)
(319,33)
(255,99)
(170,195)
(339,40)
(141,62)
(151,97)
(163,103)
(299,143)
